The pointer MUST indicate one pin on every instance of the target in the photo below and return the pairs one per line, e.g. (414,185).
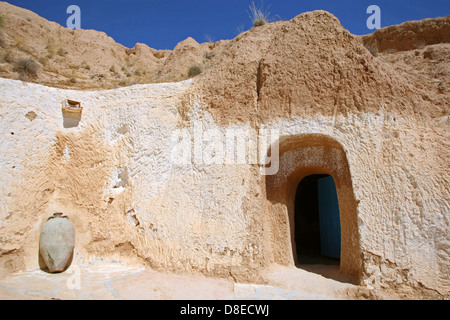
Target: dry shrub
(258,15)
(372,50)
(8,57)
(194,71)
(27,67)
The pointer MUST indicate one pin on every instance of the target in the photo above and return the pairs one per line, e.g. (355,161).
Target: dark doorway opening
(317,221)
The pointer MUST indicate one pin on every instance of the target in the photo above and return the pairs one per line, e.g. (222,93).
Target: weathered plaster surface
(115,177)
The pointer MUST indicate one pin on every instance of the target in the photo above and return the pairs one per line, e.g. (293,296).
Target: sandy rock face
(309,66)
(147,174)
(410,35)
(89,59)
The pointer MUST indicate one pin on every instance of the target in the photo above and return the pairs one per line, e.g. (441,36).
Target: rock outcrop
(410,35)
(89,59)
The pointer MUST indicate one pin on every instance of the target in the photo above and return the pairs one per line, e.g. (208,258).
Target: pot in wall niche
(57,241)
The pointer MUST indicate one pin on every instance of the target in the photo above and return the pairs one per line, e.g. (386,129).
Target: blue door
(330,225)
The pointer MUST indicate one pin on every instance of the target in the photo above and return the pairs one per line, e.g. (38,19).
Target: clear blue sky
(161,24)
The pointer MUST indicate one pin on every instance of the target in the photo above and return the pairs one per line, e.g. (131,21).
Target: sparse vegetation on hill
(194,71)
(88,59)
(26,67)
(83,59)
(372,50)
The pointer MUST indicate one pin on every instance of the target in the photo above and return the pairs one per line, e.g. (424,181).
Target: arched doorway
(302,156)
(317,221)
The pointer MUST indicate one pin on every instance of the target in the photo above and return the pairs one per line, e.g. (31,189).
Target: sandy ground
(117,282)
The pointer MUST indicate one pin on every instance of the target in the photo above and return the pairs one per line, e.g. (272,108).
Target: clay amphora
(57,241)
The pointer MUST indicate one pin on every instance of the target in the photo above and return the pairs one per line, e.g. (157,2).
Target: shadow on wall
(302,156)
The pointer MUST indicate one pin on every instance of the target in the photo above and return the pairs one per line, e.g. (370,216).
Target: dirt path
(133,283)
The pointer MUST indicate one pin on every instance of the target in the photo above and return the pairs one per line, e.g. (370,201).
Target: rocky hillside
(409,35)
(311,66)
(420,50)
(37,50)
